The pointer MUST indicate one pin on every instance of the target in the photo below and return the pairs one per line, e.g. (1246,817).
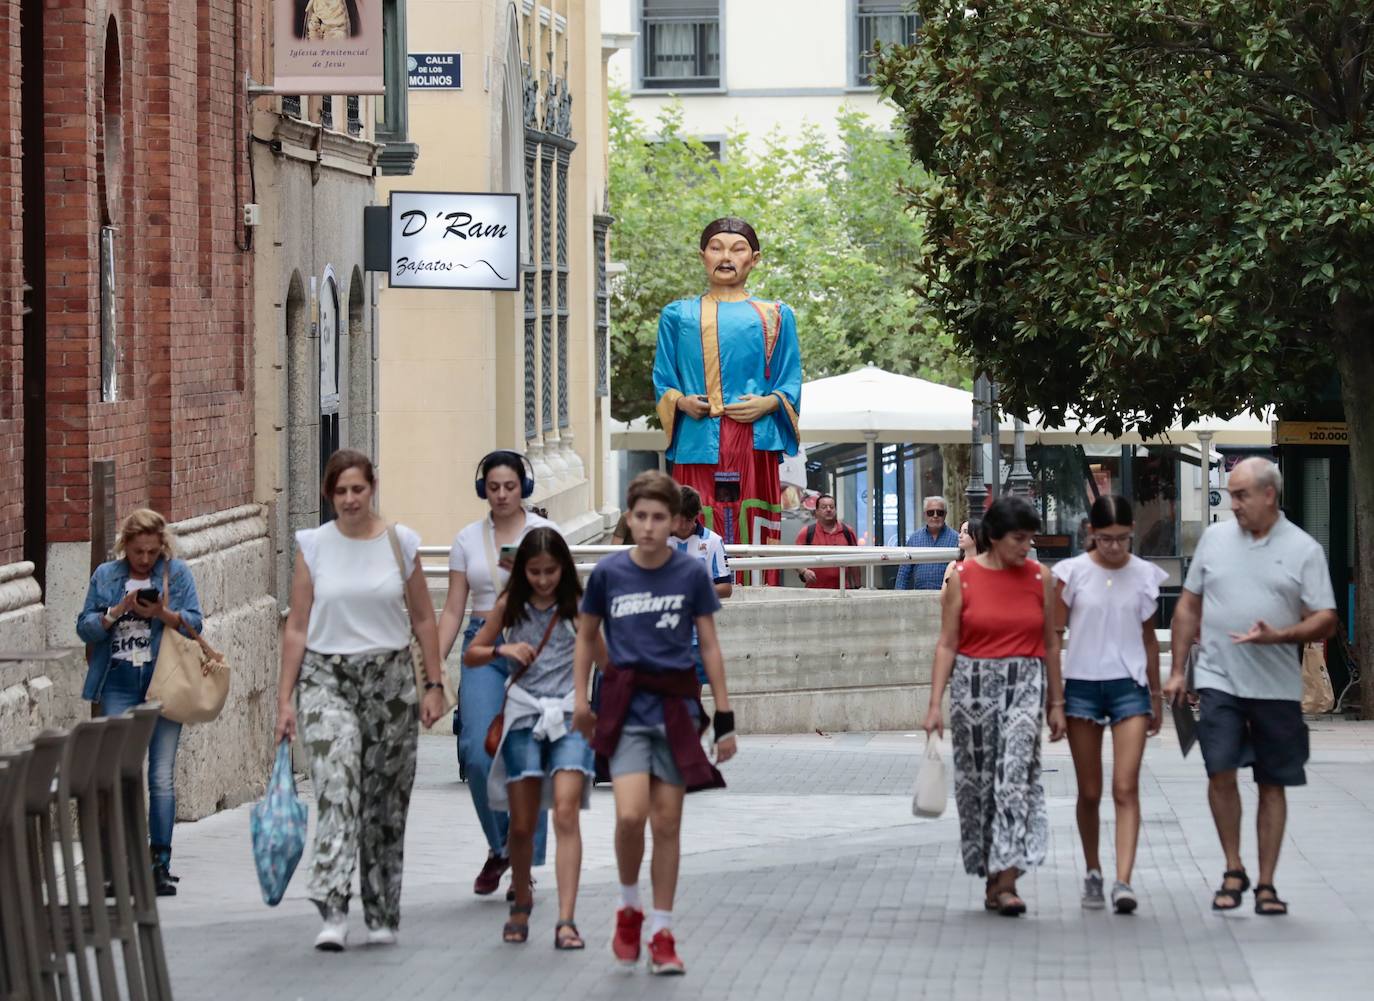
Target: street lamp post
(976,492)
(1020,480)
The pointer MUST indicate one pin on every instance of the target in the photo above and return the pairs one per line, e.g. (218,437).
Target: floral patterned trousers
(996,709)
(359,720)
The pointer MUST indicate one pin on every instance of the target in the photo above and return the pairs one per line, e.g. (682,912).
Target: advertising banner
(328,47)
(460,240)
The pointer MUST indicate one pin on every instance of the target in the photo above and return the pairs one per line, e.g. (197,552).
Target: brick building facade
(145,327)
(142,293)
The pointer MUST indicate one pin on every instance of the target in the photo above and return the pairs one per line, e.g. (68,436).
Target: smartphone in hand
(146,595)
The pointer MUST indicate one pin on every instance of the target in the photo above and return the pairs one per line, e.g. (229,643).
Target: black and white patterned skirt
(997,708)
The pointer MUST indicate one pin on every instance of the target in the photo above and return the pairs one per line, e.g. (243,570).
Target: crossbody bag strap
(395,541)
(548,631)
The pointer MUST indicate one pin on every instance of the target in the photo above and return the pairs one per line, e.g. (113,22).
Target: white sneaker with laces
(333,937)
(1093,899)
(381,936)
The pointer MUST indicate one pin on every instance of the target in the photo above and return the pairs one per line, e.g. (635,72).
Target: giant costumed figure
(727,375)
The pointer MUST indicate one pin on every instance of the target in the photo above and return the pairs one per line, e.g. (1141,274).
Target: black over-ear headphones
(506,457)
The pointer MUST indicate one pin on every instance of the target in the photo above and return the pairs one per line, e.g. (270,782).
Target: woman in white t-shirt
(479,566)
(1107,598)
(347,640)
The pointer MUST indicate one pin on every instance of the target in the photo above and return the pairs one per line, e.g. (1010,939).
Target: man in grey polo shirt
(1260,587)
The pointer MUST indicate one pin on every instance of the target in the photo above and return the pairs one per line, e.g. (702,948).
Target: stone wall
(219,764)
(797,661)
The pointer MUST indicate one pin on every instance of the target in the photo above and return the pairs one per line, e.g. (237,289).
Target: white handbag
(932,789)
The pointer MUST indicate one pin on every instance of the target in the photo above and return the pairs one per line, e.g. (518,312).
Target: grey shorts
(645,749)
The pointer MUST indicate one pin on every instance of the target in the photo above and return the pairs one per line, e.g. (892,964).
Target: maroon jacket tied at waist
(679,689)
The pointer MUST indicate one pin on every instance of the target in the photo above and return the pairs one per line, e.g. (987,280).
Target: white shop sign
(460,240)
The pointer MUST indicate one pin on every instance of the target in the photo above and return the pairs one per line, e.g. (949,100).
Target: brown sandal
(571,940)
(513,933)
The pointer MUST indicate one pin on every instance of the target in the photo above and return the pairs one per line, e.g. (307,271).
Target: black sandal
(517,934)
(1009,905)
(570,941)
(989,898)
(1233,894)
(1270,906)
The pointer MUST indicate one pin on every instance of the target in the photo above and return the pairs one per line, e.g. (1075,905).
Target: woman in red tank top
(999,654)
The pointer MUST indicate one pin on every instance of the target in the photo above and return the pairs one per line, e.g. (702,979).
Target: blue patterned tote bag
(277,823)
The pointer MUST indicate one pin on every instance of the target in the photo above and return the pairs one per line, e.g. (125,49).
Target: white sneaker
(333,937)
(1092,891)
(381,936)
(1123,898)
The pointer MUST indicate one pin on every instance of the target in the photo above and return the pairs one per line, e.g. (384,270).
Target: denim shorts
(645,749)
(528,758)
(1105,702)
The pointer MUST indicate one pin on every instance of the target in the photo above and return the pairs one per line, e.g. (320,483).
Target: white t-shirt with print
(472,557)
(1107,612)
(359,605)
(132,639)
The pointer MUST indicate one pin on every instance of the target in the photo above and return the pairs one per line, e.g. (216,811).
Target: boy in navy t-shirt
(649,599)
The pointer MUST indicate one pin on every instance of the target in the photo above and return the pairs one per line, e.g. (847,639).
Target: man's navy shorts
(1268,735)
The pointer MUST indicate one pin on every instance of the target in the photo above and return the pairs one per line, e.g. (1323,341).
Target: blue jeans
(125,687)
(479,700)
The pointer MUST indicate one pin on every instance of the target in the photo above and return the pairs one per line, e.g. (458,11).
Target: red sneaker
(663,957)
(629,933)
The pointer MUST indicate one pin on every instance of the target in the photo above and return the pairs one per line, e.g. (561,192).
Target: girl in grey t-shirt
(541,760)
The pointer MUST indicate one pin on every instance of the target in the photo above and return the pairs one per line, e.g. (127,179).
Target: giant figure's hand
(695,407)
(749,408)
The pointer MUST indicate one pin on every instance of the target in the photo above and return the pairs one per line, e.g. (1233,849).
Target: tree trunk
(1355,363)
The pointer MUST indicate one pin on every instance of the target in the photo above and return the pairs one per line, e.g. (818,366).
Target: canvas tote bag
(932,786)
(191,678)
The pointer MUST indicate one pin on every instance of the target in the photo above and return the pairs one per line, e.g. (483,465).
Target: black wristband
(724,725)
(433,684)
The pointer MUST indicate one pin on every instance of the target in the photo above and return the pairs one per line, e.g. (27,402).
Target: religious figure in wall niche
(728,375)
(326,20)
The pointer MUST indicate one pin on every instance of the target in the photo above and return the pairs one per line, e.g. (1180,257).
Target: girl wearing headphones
(478,568)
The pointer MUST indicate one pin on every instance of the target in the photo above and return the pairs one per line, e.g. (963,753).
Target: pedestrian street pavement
(809,878)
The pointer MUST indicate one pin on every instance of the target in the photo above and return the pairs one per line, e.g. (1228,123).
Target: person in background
(699,542)
(828,530)
(354,606)
(479,569)
(129,602)
(1258,588)
(968,546)
(620,535)
(1108,600)
(998,653)
(934,534)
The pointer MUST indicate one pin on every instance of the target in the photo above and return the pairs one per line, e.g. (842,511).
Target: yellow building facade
(464,372)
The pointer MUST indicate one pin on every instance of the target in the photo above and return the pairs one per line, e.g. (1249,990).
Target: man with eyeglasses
(934,534)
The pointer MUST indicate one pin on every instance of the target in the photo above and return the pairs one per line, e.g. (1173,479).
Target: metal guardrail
(747,558)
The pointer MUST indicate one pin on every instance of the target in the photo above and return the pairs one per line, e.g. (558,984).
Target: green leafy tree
(841,244)
(1151,208)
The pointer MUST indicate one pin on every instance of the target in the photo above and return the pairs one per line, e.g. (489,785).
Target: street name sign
(434,71)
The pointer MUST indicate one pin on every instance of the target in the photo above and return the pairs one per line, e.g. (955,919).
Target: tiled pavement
(809,878)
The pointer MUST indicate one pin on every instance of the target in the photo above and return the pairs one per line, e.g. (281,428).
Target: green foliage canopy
(841,244)
(1144,207)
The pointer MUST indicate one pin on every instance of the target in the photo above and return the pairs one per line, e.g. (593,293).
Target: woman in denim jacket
(124,634)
